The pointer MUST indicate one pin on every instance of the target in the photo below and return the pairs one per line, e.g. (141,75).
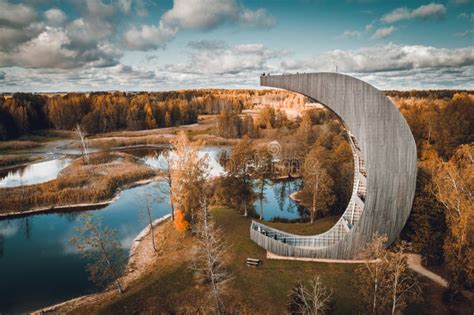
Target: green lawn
(319,226)
(171,286)
(264,290)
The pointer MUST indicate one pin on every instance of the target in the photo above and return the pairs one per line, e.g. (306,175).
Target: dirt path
(414,263)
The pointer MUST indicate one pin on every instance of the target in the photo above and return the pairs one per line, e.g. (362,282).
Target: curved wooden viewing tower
(384,168)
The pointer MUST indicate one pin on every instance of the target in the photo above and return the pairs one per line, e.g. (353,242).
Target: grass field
(264,290)
(169,285)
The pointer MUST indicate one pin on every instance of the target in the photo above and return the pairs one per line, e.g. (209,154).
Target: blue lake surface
(39,266)
(33,173)
(277,202)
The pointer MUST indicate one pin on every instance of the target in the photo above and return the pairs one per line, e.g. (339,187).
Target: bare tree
(371,275)
(84,144)
(147,216)
(312,299)
(384,280)
(209,260)
(403,283)
(168,179)
(100,245)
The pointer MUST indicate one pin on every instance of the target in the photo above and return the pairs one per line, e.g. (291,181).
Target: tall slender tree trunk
(262,187)
(152,230)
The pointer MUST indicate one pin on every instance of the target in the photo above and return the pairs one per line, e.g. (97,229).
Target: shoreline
(293,197)
(130,272)
(79,206)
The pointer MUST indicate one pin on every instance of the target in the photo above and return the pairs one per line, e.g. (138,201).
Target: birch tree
(84,145)
(168,179)
(402,283)
(209,260)
(454,186)
(385,283)
(371,275)
(100,245)
(147,211)
(262,171)
(312,299)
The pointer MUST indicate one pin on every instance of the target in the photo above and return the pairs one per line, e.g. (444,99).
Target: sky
(136,45)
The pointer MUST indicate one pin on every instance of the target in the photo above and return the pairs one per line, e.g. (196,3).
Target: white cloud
(369,27)
(464,34)
(432,10)
(16,14)
(52,48)
(125,5)
(217,58)
(195,15)
(469,16)
(384,58)
(384,32)
(55,17)
(148,37)
(349,34)
(207,14)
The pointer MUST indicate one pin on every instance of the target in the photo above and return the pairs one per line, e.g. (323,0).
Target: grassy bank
(77,184)
(12,160)
(168,285)
(322,225)
(18,145)
(171,287)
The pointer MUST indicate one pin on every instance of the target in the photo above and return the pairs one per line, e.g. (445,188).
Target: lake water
(34,173)
(278,204)
(39,266)
(154,157)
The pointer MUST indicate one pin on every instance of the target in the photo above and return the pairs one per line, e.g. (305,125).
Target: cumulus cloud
(432,10)
(148,37)
(211,57)
(55,17)
(195,15)
(52,48)
(385,58)
(208,14)
(384,32)
(16,14)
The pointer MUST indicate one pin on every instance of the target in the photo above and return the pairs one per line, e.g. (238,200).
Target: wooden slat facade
(387,149)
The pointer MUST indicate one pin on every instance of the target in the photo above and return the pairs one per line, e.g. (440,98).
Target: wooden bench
(253,262)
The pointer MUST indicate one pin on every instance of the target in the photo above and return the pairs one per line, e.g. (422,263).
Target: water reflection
(278,205)
(34,173)
(155,158)
(38,261)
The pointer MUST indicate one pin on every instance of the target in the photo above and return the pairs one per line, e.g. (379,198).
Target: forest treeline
(440,225)
(22,113)
(431,94)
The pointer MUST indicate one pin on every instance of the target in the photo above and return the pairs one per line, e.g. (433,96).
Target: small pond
(278,204)
(34,173)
